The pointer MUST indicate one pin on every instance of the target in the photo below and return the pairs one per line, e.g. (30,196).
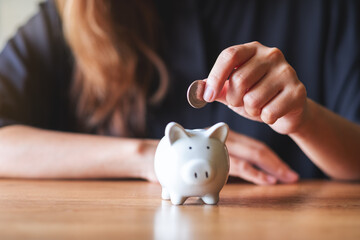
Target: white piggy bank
(192,163)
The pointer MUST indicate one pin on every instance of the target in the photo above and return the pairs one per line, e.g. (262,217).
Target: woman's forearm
(331,142)
(28,152)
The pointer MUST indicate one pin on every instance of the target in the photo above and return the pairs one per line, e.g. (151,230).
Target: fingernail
(270,179)
(209,94)
(292,176)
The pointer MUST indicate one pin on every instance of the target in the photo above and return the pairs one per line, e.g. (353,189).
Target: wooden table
(133,210)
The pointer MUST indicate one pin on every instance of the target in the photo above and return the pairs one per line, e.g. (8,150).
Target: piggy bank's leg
(211,198)
(165,194)
(177,199)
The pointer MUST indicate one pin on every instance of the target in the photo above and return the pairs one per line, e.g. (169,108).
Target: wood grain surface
(42,209)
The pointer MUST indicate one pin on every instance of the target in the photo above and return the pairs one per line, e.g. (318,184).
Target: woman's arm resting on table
(331,142)
(27,152)
(258,83)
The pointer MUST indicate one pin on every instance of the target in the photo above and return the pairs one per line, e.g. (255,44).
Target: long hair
(114,43)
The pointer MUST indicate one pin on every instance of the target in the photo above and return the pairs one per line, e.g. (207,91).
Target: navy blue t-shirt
(319,38)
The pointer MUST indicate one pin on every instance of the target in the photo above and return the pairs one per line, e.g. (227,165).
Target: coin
(195,94)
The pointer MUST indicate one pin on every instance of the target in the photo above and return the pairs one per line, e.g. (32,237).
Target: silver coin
(195,94)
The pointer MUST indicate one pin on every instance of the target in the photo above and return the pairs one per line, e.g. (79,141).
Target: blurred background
(13,14)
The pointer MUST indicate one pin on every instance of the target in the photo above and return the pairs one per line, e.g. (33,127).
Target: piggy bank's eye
(190,147)
(208,147)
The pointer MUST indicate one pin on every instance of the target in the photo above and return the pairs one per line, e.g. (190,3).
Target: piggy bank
(192,163)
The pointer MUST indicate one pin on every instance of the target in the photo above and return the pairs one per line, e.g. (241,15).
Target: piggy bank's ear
(219,131)
(174,132)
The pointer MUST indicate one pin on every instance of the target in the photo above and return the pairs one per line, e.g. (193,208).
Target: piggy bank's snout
(197,172)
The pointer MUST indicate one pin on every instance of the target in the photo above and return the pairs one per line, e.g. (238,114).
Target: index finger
(228,59)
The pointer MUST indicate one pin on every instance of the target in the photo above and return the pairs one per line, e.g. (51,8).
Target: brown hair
(116,67)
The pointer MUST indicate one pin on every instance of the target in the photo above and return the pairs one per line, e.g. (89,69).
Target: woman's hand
(262,86)
(255,162)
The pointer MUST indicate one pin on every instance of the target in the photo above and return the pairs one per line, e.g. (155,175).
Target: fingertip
(292,176)
(265,179)
(209,93)
(270,179)
(213,88)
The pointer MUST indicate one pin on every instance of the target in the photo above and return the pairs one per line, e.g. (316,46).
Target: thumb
(222,94)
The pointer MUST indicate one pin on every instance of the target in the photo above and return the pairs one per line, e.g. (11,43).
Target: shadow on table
(308,195)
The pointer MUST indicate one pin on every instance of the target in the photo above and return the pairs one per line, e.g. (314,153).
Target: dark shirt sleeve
(27,69)
(342,60)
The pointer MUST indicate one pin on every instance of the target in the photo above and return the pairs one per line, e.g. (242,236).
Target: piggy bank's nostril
(197,172)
